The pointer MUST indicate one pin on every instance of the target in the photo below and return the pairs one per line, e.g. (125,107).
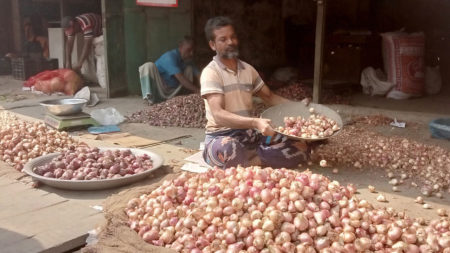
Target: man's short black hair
(186,40)
(214,24)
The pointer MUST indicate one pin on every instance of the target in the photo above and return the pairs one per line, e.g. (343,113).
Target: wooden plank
(114,48)
(68,239)
(54,239)
(25,200)
(10,238)
(33,220)
(7,170)
(131,141)
(12,186)
(318,57)
(56,228)
(48,216)
(5,183)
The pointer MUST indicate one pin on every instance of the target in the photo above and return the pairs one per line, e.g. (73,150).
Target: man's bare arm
(269,97)
(87,45)
(227,119)
(186,83)
(69,48)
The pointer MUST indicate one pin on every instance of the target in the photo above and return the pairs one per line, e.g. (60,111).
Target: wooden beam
(61,15)
(318,55)
(16,26)
(105,48)
(61,9)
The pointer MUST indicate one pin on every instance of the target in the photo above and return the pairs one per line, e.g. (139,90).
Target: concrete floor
(419,111)
(439,103)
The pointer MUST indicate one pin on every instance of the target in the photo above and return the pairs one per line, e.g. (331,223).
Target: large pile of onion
(266,210)
(21,140)
(428,165)
(92,164)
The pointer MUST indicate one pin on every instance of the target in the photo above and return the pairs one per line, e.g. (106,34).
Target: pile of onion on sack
(21,140)
(265,210)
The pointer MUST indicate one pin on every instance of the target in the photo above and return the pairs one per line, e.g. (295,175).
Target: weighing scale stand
(79,121)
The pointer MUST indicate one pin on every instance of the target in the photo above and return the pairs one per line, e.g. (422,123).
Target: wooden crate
(23,68)
(5,66)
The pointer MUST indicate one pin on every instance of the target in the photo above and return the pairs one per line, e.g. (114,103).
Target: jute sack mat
(115,235)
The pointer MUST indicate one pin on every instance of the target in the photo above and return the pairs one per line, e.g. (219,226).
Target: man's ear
(212,45)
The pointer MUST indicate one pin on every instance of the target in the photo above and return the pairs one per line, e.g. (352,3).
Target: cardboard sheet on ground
(128,140)
(194,167)
(122,139)
(112,136)
(196,163)
(104,136)
(131,141)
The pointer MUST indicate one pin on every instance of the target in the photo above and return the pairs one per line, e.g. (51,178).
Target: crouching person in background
(173,73)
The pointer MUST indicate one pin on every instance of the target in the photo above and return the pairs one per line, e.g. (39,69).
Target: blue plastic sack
(440,128)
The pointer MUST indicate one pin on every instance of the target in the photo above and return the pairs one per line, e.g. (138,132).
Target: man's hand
(264,126)
(68,52)
(186,83)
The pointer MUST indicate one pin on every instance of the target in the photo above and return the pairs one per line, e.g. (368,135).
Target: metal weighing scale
(77,121)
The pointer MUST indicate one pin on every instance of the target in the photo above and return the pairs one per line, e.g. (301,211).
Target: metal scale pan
(67,113)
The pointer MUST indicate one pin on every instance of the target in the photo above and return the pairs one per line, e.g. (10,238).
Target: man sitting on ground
(171,73)
(233,137)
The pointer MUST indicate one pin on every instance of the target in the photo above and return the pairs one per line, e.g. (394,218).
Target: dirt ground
(26,103)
